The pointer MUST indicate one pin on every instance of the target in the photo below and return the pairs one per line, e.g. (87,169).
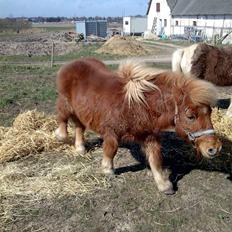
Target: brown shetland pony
(135,103)
(206,62)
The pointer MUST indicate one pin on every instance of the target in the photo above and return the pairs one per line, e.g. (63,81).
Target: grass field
(55,26)
(25,87)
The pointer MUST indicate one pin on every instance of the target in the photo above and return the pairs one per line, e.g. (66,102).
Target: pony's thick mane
(137,77)
(199,91)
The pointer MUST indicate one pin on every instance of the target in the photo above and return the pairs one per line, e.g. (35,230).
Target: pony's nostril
(212,151)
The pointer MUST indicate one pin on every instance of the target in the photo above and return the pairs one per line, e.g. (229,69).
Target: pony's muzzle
(209,146)
(212,152)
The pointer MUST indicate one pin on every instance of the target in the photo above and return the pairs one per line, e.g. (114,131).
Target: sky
(72,8)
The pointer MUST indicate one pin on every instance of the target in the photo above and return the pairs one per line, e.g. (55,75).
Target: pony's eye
(191,118)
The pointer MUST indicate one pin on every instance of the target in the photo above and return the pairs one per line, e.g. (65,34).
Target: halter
(192,136)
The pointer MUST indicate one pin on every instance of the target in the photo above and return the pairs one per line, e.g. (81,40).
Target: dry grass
(222,123)
(25,187)
(32,132)
(57,172)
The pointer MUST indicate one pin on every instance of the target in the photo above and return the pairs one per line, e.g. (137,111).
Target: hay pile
(118,45)
(222,124)
(32,132)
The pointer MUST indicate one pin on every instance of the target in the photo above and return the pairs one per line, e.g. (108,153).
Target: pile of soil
(118,45)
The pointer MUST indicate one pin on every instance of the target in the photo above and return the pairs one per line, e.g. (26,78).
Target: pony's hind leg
(79,135)
(152,150)
(63,114)
(110,147)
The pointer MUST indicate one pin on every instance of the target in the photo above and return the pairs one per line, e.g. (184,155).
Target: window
(126,22)
(157,7)
(194,23)
(176,23)
(165,22)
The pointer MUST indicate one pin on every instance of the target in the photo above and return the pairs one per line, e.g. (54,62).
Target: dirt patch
(123,46)
(38,44)
(37,48)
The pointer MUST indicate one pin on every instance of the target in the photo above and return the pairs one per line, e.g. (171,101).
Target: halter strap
(194,135)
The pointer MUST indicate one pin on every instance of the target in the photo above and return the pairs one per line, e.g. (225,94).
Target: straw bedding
(33,132)
(222,124)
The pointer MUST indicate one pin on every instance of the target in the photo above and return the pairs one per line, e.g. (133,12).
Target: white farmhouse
(182,17)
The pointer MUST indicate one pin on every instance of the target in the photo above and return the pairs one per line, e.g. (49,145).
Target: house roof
(202,7)
(149,5)
(171,4)
(198,7)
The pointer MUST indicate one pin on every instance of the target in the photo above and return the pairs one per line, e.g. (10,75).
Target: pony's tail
(176,60)
(136,77)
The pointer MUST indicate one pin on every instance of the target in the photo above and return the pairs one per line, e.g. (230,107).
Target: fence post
(52,55)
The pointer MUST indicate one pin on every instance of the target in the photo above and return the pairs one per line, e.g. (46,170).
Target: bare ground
(40,193)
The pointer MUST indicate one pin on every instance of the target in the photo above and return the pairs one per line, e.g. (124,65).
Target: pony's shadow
(135,150)
(223,103)
(178,156)
(138,155)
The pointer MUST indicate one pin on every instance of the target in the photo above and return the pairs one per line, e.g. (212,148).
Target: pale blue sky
(70,8)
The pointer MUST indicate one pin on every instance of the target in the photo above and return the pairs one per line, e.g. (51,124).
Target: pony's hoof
(108,171)
(166,188)
(169,191)
(59,136)
(80,150)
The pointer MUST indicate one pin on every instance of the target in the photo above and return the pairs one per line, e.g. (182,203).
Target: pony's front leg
(61,132)
(110,147)
(79,140)
(153,153)
(79,135)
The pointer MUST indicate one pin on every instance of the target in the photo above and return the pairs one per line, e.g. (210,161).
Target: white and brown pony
(206,62)
(135,103)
